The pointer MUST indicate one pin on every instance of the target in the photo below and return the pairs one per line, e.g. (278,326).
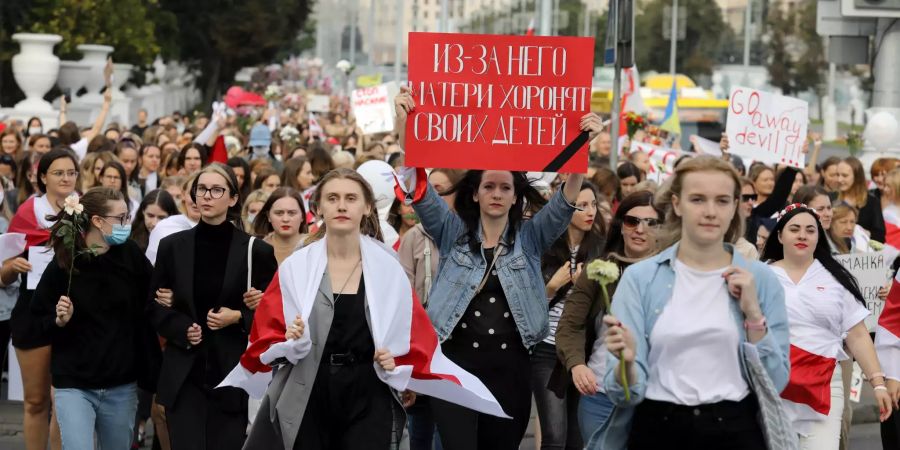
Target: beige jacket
(419,257)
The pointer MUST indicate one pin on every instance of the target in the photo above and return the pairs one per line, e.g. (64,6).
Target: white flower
(72,206)
(603,272)
(272,91)
(344,66)
(289,132)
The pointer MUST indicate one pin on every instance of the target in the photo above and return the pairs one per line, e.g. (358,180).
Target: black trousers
(349,409)
(718,426)
(197,423)
(890,431)
(464,429)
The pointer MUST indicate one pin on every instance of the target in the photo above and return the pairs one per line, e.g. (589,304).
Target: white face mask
(260,150)
(251,218)
(35,130)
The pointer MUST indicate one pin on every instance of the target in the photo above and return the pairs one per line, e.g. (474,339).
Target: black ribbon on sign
(567,153)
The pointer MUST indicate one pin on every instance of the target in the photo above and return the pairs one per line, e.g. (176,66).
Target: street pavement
(863,436)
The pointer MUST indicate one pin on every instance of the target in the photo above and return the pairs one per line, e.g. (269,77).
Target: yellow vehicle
(699,111)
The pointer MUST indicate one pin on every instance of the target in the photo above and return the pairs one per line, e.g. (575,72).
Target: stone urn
(72,76)
(95,58)
(35,69)
(121,74)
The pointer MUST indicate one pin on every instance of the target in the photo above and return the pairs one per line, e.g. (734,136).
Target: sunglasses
(748,197)
(631,222)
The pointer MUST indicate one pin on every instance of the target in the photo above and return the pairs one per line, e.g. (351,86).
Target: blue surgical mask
(119,234)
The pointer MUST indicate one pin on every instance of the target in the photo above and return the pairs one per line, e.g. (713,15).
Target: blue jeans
(420,424)
(108,412)
(593,416)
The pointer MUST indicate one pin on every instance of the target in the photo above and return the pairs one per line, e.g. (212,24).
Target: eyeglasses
(749,197)
(631,222)
(64,173)
(124,219)
(215,192)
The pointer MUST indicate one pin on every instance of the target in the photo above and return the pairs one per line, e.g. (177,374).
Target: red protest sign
(499,102)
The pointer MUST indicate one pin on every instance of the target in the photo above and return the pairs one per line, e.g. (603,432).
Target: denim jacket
(642,294)
(519,268)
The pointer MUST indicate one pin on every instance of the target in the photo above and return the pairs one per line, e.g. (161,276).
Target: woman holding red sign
(488,301)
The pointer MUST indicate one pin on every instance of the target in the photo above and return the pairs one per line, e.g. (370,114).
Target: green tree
(123,24)
(219,37)
(796,52)
(707,36)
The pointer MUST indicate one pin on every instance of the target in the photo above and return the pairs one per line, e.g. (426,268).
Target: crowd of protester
(183,221)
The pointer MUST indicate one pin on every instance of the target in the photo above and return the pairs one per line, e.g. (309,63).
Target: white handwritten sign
(318,103)
(872,272)
(769,126)
(372,108)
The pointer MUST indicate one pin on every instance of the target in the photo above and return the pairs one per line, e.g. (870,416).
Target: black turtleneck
(210,258)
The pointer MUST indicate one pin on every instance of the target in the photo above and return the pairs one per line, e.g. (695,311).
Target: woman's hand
(408,398)
(164,297)
(593,124)
(619,340)
(19,265)
(885,404)
(384,358)
(222,319)
(194,334)
(403,105)
(882,294)
(585,380)
(252,298)
(295,330)
(742,286)
(893,387)
(64,311)
(562,276)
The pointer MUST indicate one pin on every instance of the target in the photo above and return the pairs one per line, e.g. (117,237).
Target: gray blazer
(281,412)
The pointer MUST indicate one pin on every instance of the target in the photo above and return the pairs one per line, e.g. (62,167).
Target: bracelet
(755,326)
(880,387)
(876,375)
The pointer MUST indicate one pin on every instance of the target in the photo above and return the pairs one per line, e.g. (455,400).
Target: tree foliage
(221,36)
(123,24)
(796,52)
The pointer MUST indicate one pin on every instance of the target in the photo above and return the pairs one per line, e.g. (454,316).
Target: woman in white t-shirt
(824,306)
(680,321)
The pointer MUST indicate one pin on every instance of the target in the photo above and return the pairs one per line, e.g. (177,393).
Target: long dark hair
(559,253)
(117,166)
(470,213)
(615,243)
(159,197)
(234,212)
(235,162)
(262,226)
(774,251)
(201,149)
(96,203)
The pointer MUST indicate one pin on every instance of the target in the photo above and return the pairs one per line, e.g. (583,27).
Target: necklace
(341,292)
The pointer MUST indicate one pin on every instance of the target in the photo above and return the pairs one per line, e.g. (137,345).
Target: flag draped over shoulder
(887,334)
(398,323)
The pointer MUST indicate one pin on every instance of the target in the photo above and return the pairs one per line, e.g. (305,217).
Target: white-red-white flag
(887,334)
(398,323)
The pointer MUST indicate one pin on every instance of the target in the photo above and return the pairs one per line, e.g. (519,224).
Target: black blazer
(175,270)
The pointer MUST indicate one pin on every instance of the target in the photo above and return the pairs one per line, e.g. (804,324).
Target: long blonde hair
(672,232)
(370,225)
